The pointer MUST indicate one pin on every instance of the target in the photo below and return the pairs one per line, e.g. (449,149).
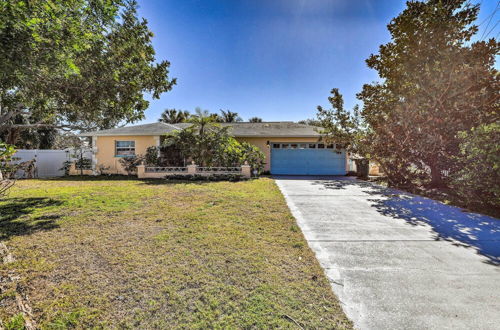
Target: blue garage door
(307,159)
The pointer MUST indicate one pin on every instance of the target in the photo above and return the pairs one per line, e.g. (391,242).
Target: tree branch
(26,126)
(10,114)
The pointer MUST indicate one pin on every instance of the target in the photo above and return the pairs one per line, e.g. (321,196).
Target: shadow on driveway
(449,223)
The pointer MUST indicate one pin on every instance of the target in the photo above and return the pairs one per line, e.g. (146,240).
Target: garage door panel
(307,162)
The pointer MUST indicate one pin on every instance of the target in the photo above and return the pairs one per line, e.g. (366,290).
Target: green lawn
(128,253)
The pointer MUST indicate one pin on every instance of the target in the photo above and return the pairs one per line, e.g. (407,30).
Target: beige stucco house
(290,148)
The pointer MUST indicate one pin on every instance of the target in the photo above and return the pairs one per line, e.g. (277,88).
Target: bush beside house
(208,144)
(477,181)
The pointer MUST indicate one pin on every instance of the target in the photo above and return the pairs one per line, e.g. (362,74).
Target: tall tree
(228,116)
(76,64)
(342,127)
(435,83)
(255,120)
(173,116)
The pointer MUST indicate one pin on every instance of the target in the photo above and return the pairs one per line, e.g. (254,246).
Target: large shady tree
(75,64)
(435,83)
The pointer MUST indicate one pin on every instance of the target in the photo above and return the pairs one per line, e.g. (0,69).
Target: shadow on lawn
(112,177)
(450,223)
(157,182)
(107,178)
(14,220)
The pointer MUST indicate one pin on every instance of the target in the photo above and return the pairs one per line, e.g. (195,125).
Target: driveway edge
(333,275)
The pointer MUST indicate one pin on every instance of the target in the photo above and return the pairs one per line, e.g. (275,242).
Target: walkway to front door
(399,261)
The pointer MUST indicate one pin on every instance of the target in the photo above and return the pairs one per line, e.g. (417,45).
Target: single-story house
(290,148)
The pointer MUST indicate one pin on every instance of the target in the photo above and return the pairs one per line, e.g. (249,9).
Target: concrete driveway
(399,261)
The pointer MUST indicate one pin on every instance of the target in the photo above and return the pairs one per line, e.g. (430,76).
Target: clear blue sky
(275,59)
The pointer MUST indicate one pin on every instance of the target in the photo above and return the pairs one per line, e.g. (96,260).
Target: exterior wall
(93,158)
(105,155)
(261,143)
(105,146)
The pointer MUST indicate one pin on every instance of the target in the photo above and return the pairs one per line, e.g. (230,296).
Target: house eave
(277,136)
(119,134)
(236,136)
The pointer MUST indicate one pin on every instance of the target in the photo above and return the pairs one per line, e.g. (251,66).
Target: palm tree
(202,119)
(255,120)
(173,116)
(228,116)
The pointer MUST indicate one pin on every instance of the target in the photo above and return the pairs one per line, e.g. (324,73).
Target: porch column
(72,168)
(141,171)
(191,169)
(246,170)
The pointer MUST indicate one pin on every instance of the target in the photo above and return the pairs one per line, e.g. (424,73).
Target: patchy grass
(129,253)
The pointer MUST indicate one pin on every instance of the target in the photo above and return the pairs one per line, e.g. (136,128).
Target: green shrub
(477,181)
(80,162)
(212,145)
(152,156)
(212,177)
(130,163)
(252,155)
(6,153)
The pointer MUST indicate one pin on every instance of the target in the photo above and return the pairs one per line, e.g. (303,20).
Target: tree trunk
(436,177)
(12,136)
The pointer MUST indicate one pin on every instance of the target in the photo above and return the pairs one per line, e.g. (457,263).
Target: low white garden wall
(146,172)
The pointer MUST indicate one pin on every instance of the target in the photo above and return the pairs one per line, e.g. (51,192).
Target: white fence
(351,165)
(49,163)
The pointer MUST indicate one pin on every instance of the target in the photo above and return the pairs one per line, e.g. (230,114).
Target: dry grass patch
(129,253)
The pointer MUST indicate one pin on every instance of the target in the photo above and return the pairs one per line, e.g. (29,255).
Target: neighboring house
(290,148)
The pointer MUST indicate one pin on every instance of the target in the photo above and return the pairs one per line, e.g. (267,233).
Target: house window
(294,145)
(276,145)
(124,148)
(321,146)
